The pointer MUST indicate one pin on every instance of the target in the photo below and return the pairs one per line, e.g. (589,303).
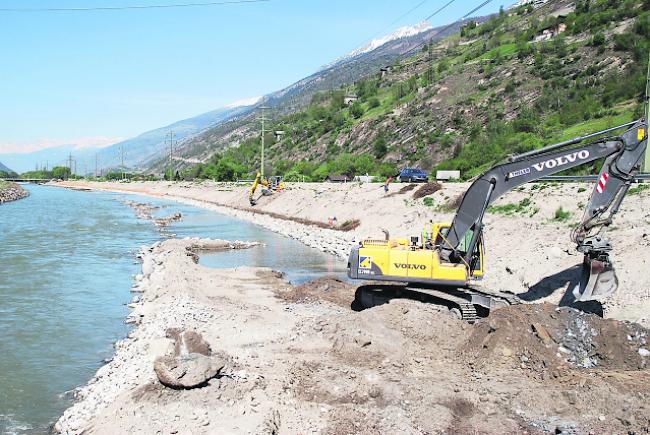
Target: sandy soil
(528,253)
(300,360)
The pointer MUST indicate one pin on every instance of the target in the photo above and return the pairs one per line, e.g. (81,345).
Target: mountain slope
(137,150)
(151,145)
(3,168)
(343,71)
(53,156)
(522,79)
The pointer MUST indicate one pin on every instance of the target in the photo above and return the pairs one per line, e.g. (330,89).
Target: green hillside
(467,102)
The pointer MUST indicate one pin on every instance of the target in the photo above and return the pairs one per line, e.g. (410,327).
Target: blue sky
(93,78)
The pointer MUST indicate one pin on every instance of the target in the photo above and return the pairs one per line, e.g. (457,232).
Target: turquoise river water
(66,267)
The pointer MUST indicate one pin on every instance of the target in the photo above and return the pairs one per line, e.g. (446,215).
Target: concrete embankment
(11,192)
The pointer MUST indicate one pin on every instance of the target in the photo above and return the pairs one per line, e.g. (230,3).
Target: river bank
(516,236)
(10,191)
(299,360)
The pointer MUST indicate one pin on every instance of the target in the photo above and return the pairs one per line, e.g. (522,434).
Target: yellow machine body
(414,261)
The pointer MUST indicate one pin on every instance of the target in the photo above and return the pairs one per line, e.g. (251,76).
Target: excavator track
(468,312)
(466,303)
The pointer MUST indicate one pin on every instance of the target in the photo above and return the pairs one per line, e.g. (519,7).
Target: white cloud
(41,144)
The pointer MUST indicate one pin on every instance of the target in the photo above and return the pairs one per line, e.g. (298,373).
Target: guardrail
(637,178)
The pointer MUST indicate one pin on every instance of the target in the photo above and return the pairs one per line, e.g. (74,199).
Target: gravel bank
(299,360)
(10,191)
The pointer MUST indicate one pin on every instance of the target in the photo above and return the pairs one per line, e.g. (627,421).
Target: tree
(356,110)
(379,147)
(62,172)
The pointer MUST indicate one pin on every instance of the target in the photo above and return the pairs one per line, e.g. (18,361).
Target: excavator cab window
(475,263)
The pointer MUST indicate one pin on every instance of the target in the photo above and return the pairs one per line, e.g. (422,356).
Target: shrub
(638,189)
(598,39)
(356,110)
(561,215)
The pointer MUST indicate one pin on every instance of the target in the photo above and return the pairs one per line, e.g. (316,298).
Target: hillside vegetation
(469,101)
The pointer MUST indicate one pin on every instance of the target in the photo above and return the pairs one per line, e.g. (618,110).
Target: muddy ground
(314,359)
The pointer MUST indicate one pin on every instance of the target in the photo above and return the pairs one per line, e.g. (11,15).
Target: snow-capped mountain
(243,103)
(402,32)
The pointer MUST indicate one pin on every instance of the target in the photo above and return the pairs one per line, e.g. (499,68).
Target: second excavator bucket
(597,281)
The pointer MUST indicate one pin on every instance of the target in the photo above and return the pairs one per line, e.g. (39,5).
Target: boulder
(187,371)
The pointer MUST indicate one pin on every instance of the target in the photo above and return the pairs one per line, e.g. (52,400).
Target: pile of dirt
(544,338)
(403,190)
(328,289)
(426,190)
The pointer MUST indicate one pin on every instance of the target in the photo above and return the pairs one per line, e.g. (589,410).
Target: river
(66,267)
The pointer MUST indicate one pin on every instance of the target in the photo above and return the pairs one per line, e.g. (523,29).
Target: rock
(194,343)
(363,341)
(644,352)
(542,333)
(188,342)
(187,371)
(555,252)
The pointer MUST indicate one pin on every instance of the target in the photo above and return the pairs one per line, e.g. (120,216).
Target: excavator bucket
(598,280)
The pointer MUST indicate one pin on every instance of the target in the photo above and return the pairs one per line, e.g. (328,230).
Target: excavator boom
(622,155)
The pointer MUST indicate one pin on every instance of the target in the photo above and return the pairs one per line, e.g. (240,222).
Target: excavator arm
(256,182)
(622,155)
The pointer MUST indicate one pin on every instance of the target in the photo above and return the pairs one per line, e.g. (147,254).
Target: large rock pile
(11,192)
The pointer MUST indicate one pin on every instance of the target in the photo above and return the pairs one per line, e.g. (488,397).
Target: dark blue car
(413,175)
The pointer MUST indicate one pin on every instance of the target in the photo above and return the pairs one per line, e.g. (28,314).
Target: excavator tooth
(597,281)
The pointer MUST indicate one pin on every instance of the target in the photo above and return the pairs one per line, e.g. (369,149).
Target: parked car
(413,175)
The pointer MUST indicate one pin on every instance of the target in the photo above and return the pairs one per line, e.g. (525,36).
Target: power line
(417,6)
(396,20)
(438,11)
(122,8)
(485,3)
(447,27)
(463,17)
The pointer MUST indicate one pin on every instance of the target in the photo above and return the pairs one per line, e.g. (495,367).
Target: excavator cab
(475,265)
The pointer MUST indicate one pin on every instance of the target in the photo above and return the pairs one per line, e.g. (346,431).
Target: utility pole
(70,164)
(646,162)
(263,119)
(172,143)
(122,161)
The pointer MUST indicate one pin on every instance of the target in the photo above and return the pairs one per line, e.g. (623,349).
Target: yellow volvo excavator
(449,259)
